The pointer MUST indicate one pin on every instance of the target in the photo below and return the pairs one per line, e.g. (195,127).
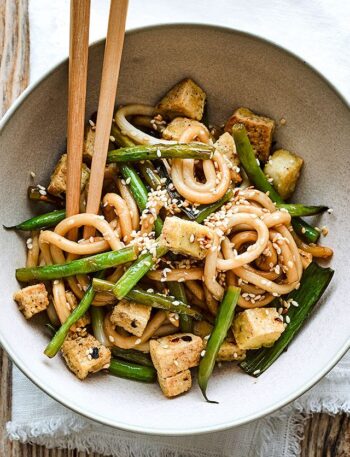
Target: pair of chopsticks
(78,62)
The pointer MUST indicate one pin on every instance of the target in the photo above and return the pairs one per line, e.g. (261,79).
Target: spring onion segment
(131,355)
(313,284)
(257,177)
(129,370)
(80,266)
(222,324)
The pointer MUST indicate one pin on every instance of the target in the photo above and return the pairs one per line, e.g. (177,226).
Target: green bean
(207,210)
(132,356)
(40,222)
(222,324)
(139,192)
(148,173)
(137,271)
(258,178)
(298,209)
(157,151)
(154,300)
(55,344)
(312,286)
(177,289)
(80,266)
(132,371)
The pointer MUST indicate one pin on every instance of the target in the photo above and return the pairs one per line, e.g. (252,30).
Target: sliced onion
(130,130)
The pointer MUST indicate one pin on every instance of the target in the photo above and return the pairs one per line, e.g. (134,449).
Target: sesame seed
(92,123)
(127,181)
(150,291)
(256,372)
(138,341)
(176,363)
(42,192)
(303,230)
(111,338)
(203,353)
(330,210)
(192,238)
(287,319)
(159,154)
(32,174)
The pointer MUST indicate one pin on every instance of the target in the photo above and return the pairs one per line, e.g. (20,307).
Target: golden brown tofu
(32,300)
(284,168)
(57,184)
(257,327)
(174,353)
(226,146)
(85,355)
(229,350)
(177,126)
(177,384)
(89,142)
(187,237)
(131,316)
(186,98)
(259,129)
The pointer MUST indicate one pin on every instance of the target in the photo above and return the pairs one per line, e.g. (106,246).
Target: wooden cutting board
(325,436)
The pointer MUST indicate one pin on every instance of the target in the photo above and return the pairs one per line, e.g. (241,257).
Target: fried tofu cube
(175,353)
(187,237)
(259,129)
(177,384)
(284,168)
(257,327)
(32,300)
(177,126)
(229,350)
(85,355)
(226,146)
(58,184)
(73,303)
(89,142)
(186,98)
(131,316)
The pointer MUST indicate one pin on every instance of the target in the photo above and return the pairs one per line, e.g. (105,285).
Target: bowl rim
(194,430)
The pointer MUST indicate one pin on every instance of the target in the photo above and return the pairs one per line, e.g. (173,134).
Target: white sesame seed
(112,138)
(127,181)
(32,174)
(42,192)
(287,319)
(203,353)
(138,341)
(256,372)
(150,291)
(176,363)
(111,338)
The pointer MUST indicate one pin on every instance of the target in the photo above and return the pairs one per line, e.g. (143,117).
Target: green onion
(313,284)
(131,355)
(298,209)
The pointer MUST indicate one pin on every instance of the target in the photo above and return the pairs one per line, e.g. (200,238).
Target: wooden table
(325,436)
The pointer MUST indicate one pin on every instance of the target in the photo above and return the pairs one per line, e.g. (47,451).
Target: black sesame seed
(95,353)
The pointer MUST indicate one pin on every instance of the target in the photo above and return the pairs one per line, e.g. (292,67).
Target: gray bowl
(235,69)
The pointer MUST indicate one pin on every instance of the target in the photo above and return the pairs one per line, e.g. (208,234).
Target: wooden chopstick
(78,62)
(108,89)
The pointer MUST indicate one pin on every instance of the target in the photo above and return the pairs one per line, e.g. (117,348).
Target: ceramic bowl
(235,69)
